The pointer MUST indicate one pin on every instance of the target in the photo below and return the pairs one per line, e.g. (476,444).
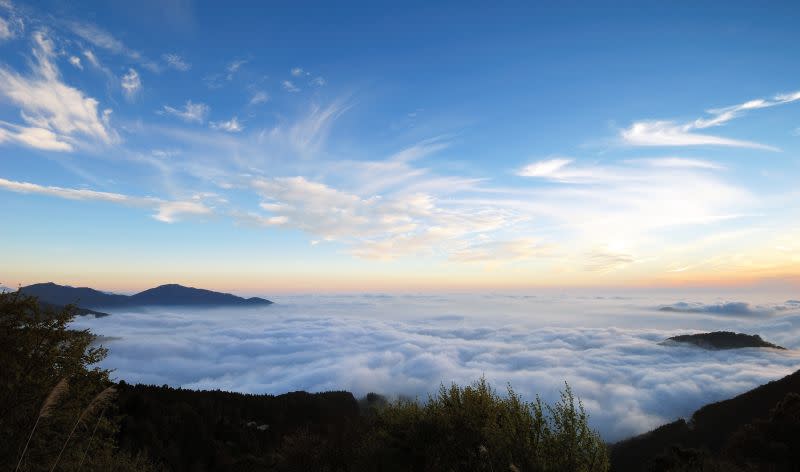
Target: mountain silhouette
(163,295)
(722,340)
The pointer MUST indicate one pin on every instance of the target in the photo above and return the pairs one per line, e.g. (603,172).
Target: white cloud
(678,162)
(164,153)
(492,251)
(39,138)
(76,62)
(176,62)
(318,82)
(603,260)
(46,103)
(725,308)
(234,67)
(191,112)
(259,97)
(5,30)
(98,37)
(548,168)
(217,80)
(298,72)
(131,84)
(723,115)
(289,86)
(231,126)
(626,207)
(306,135)
(165,210)
(567,171)
(670,133)
(12,25)
(68,193)
(374,227)
(170,212)
(92,59)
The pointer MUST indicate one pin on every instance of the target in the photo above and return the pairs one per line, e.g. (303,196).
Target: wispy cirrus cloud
(550,168)
(258,98)
(679,162)
(5,29)
(56,116)
(131,84)
(307,134)
(671,133)
(101,38)
(167,211)
(289,86)
(623,207)
(12,24)
(604,260)
(174,61)
(191,112)
(39,138)
(506,251)
(231,126)
(234,66)
(218,80)
(93,60)
(568,170)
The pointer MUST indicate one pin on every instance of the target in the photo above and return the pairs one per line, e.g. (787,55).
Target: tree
(56,408)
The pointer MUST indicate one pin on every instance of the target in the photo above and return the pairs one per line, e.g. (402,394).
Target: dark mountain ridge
(164,295)
(722,340)
(711,428)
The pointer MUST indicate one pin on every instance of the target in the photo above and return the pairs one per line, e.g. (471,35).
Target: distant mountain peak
(163,295)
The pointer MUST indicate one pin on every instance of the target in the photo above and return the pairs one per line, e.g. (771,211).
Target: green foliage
(473,428)
(49,386)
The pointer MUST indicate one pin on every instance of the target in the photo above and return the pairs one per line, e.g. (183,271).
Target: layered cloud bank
(407,345)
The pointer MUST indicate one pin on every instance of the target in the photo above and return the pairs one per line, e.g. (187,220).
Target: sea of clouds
(607,348)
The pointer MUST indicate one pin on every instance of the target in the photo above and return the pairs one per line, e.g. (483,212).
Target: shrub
(473,428)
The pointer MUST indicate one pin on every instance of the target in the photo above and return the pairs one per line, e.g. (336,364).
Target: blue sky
(296,147)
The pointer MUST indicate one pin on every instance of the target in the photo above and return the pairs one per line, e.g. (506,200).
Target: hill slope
(710,428)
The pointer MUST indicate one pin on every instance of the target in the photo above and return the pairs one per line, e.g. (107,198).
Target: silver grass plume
(53,397)
(99,400)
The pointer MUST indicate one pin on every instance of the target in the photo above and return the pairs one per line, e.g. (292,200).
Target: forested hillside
(757,430)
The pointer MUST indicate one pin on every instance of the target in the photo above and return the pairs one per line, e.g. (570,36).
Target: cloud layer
(606,348)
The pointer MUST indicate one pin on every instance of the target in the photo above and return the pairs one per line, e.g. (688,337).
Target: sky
(312,147)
